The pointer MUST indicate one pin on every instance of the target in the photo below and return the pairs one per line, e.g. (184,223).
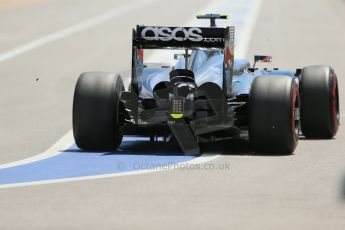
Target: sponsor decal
(180,34)
(236,83)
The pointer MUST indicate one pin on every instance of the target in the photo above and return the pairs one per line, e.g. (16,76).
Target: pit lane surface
(258,192)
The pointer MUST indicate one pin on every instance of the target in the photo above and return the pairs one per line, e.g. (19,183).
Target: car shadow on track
(158,148)
(236,147)
(239,147)
(136,147)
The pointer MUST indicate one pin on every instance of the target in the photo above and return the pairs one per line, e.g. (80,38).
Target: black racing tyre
(319,102)
(97,111)
(273,115)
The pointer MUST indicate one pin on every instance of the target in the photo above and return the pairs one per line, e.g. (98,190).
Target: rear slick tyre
(320,115)
(97,111)
(274,115)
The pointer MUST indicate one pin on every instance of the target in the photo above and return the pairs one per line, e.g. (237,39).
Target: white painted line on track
(67,141)
(87,24)
(199,160)
(246,35)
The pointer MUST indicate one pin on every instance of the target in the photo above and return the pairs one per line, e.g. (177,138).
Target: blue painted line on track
(134,154)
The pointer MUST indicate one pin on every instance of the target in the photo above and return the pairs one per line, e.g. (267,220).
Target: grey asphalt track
(302,191)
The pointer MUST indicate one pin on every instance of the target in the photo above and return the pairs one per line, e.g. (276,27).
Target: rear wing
(155,37)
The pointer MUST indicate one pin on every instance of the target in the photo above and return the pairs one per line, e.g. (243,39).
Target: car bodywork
(219,106)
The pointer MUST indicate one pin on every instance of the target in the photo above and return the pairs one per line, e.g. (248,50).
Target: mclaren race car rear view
(206,95)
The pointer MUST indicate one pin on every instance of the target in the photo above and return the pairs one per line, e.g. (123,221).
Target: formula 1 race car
(207,95)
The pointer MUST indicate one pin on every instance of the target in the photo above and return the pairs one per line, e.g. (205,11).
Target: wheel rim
(295,110)
(335,103)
